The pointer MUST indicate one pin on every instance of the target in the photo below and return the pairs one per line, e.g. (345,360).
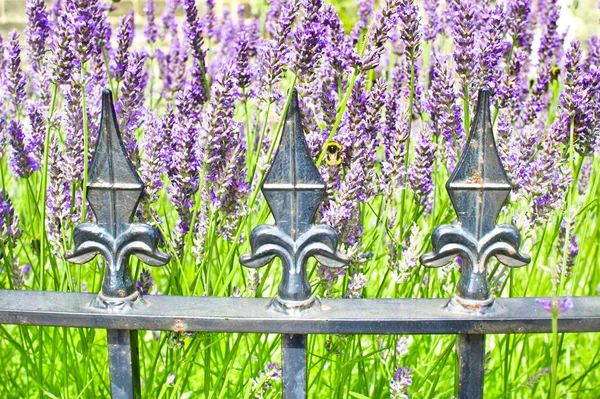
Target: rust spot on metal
(179,326)
(476,178)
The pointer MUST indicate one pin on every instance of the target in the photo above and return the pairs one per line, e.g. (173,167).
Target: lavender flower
(125,36)
(244,49)
(551,40)
(379,33)
(264,381)
(14,79)
(9,221)
(533,380)
(150,28)
(2,56)
(399,385)
(356,283)
(37,132)
(58,196)
(327,278)
(152,165)
(433,26)
(167,19)
(546,179)
(395,135)
(84,18)
(445,113)
(463,25)
(572,249)
(410,33)
(574,107)
(171,379)
(492,47)
(193,31)
(62,59)
(130,104)
(253,282)
(403,344)
(403,265)
(224,148)
(209,20)
(72,124)
(519,23)
(145,282)
(20,156)
(420,175)
(274,54)
(512,89)
(36,32)
(516,152)
(365,9)
(172,67)
(308,41)
(19,274)
(182,168)
(563,304)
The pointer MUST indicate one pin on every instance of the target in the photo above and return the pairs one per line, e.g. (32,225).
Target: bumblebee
(332,154)
(554,73)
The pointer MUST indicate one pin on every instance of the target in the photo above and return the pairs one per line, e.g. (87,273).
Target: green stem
(43,189)
(85,147)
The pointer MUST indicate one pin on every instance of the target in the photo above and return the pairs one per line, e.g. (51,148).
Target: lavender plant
(386,100)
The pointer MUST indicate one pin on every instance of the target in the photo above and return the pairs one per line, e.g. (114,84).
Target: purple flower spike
(36,32)
(9,222)
(420,175)
(152,164)
(563,304)
(62,58)
(145,283)
(21,160)
(445,113)
(399,385)
(308,40)
(275,54)
(130,104)
(15,81)
(167,19)
(379,34)
(410,30)
(193,29)
(572,246)
(433,27)
(150,28)
(124,40)
(463,25)
(84,17)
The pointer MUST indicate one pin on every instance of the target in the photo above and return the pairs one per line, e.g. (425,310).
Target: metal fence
(294,189)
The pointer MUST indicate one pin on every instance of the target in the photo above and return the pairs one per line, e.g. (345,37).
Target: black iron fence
(294,189)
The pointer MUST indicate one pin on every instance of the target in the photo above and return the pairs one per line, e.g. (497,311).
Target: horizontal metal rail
(337,316)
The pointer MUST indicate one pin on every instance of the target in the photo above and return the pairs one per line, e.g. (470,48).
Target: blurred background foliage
(579,19)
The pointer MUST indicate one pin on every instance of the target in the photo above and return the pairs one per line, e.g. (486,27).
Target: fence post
(478,189)
(114,191)
(293,189)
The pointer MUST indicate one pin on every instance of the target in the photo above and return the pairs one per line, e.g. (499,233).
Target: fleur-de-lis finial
(113,191)
(293,189)
(478,189)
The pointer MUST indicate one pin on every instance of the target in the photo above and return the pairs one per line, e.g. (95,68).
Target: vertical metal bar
(293,359)
(471,355)
(124,364)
